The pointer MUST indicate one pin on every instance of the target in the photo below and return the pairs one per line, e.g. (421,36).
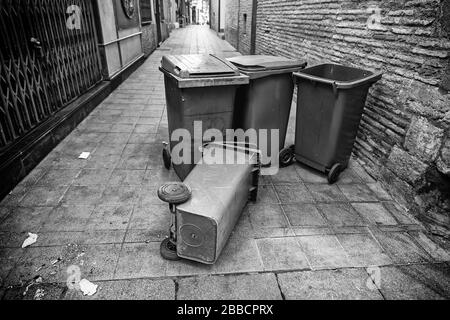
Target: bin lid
(257,63)
(198,66)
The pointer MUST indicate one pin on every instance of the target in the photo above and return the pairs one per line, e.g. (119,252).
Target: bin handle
(232,144)
(369,80)
(341,84)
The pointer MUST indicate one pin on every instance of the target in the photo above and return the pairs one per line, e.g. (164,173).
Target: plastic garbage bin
(265,103)
(207,206)
(331,100)
(198,88)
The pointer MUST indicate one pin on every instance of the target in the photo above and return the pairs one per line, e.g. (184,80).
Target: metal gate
(48,57)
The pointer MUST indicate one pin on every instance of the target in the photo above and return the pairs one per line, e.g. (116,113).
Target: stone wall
(404,136)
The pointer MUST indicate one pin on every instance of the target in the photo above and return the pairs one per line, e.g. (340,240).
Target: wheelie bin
(202,88)
(265,103)
(330,103)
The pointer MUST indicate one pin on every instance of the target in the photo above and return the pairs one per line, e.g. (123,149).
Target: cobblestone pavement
(303,239)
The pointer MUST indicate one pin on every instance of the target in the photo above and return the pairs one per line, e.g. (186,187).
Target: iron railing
(48,57)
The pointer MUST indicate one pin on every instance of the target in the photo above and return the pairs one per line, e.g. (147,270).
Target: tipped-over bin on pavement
(206,207)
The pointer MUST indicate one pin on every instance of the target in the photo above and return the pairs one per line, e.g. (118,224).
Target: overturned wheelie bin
(199,88)
(331,100)
(206,207)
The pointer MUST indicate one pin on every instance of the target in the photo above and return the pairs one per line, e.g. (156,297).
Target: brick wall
(404,136)
(245,26)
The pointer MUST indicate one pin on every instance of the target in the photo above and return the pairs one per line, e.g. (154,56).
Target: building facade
(158,18)
(59,60)
(404,136)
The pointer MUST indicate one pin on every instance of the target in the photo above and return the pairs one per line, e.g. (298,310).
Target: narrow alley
(303,239)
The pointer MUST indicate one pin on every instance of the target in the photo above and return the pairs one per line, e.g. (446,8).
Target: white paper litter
(32,238)
(87,287)
(84,155)
(40,293)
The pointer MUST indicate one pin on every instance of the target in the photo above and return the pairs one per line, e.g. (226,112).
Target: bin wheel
(167,159)
(334,173)
(174,193)
(168,250)
(286,157)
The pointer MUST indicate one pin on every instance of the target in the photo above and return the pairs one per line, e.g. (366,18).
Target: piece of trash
(37,279)
(32,238)
(84,155)
(80,255)
(27,288)
(87,287)
(40,268)
(40,293)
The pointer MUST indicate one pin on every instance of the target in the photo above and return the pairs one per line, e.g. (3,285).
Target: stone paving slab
(248,287)
(417,282)
(139,289)
(345,284)
(102,214)
(279,254)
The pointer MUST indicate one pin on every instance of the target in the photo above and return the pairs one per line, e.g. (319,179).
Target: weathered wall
(239,24)
(149,31)
(149,38)
(231,22)
(404,137)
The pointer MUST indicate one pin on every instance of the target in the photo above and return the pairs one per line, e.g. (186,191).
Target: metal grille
(48,57)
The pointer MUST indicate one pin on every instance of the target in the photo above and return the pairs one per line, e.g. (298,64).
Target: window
(245,23)
(146,11)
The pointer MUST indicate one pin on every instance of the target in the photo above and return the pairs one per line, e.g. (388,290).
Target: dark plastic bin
(331,100)
(198,88)
(265,103)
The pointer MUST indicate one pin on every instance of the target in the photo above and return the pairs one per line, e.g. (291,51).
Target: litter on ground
(87,287)
(32,238)
(84,155)
(40,293)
